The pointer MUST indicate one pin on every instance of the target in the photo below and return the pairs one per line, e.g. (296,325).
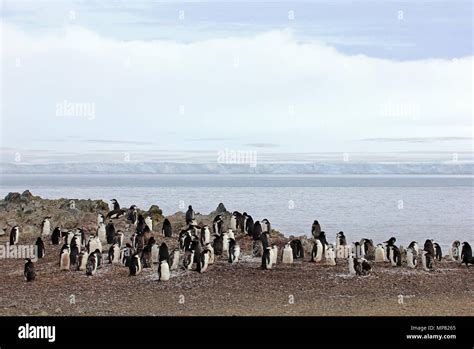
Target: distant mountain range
(329,168)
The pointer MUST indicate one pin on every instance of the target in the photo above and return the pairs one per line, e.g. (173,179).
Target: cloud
(267,87)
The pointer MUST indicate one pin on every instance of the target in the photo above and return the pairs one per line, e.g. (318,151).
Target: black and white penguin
(126,254)
(315,229)
(455,251)
(240,217)
(163,260)
(380,254)
(429,247)
(167,230)
(140,229)
(46,226)
(287,254)
(94,244)
(394,256)
(340,241)
(249,225)
(196,252)
(73,252)
(82,260)
(40,250)
(149,222)
(14,235)
(388,243)
(132,215)
(438,253)
(135,266)
(205,235)
(56,236)
(205,256)
(257,231)
(116,212)
(92,263)
(266,259)
(100,218)
(139,243)
(189,215)
(466,254)
(297,247)
(415,248)
(64,260)
(147,261)
(317,252)
(233,221)
(114,254)
(174,259)
(368,249)
(29,272)
(218,245)
(119,237)
(427,260)
(358,266)
(266,226)
(234,251)
(102,231)
(411,258)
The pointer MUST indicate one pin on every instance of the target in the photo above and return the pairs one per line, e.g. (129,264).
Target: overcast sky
(279,77)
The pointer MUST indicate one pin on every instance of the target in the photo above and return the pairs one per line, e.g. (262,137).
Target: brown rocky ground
(300,289)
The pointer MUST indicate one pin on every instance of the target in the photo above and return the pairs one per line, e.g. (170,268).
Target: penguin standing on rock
(135,266)
(429,247)
(93,263)
(149,223)
(427,260)
(82,260)
(14,235)
(466,254)
(100,218)
(163,266)
(394,256)
(114,254)
(233,221)
(40,250)
(315,229)
(64,260)
(438,253)
(266,226)
(266,259)
(29,272)
(132,214)
(205,235)
(117,212)
(234,251)
(46,226)
(388,243)
(189,215)
(167,230)
(56,236)
(414,246)
(249,225)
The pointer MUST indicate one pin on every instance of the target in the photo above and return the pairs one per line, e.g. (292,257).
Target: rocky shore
(302,288)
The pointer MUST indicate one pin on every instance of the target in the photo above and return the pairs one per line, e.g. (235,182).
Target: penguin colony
(201,246)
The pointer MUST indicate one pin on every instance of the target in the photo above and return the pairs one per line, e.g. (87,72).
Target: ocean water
(377,207)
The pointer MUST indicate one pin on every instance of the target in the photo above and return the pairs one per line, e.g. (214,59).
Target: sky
(175,80)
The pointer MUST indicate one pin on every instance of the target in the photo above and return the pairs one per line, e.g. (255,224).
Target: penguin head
(27,260)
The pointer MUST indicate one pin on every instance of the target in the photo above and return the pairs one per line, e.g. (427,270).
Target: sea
(410,208)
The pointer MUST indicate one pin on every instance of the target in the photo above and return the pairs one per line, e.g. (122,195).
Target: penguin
(249,225)
(132,214)
(205,235)
(146,257)
(56,236)
(466,253)
(225,242)
(394,256)
(163,266)
(368,249)
(167,230)
(140,225)
(438,253)
(119,238)
(64,260)
(415,248)
(233,221)
(78,235)
(266,225)
(455,251)
(100,218)
(351,265)
(257,247)
(428,247)
(114,254)
(218,245)
(264,239)
(341,244)
(126,254)
(317,252)
(330,256)
(388,243)
(188,259)
(82,260)
(379,254)
(234,251)
(427,260)
(74,252)
(155,249)
(197,251)
(411,258)
(40,250)
(210,249)
(110,232)
(274,254)
(14,235)
(257,231)
(266,259)
(287,254)
(149,223)
(205,260)
(92,264)
(29,272)
(315,229)
(94,244)
(135,265)
(189,215)
(240,218)
(117,212)
(68,237)
(46,226)
(297,248)
(139,243)
(174,259)
(102,232)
